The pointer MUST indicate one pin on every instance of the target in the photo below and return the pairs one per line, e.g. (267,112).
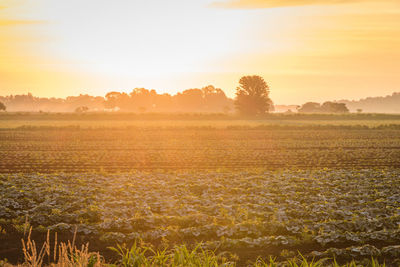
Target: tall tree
(252,96)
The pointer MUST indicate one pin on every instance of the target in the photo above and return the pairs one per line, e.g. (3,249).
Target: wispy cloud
(11,22)
(258,4)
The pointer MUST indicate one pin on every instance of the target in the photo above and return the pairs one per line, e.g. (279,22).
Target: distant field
(82,150)
(126,120)
(189,123)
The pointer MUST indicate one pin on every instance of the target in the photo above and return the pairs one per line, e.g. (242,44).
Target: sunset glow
(199,133)
(306,50)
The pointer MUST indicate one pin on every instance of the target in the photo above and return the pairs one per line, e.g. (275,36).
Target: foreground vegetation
(320,213)
(68,255)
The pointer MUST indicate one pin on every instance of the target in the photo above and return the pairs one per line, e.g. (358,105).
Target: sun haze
(305,49)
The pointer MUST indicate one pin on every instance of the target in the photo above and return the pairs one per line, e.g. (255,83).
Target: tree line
(327,107)
(252,99)
(208,99)
(381,104)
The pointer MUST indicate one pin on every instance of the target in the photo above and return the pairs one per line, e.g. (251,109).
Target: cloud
(259,4)
(18,22)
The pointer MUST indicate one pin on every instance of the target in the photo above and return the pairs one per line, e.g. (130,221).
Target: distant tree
(252,96)
(214,99)
(2,106)
(164,103)
(207,99)
(190,100)
(359,110)
(333,107)
(112,100)
(81,109)
(327,107)
(120,101)
(380,104)
(310,107)
(143,98)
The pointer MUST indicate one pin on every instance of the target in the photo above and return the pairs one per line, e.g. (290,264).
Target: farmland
(75,150)
(252,189)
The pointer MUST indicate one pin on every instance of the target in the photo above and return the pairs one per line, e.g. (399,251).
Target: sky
(306,50)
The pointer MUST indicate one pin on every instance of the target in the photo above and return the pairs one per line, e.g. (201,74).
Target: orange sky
(307,50)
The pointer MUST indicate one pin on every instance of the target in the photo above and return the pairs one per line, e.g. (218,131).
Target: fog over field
(208,99)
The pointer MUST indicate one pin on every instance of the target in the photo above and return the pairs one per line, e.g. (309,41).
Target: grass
(142,255)
(56,255)
(179,256)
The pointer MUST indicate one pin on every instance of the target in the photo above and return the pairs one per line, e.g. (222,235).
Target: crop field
(69,150)
(346,213)
(325,191)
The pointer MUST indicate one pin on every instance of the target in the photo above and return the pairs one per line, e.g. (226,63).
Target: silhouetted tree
(117,100)
(207,99)
(327,107)
(30,103)
(143,99)
(310,107)
(2,106)
(214,98)
(332,107)
(164,103)
(112,100)
(190,99)
(252,96)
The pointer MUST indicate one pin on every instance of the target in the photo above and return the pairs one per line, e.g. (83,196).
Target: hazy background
(305,51)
